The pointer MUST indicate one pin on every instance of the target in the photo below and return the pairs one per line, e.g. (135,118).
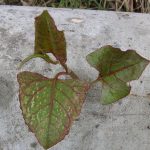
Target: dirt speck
(6,91)
(33,145)
(96,126)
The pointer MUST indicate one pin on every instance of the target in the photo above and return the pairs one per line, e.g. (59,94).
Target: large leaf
(116,68)
(48,39)
(49,106)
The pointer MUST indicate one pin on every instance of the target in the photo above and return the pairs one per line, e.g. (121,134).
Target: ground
(124,125)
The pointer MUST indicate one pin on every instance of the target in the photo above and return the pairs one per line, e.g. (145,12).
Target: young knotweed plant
(50,105)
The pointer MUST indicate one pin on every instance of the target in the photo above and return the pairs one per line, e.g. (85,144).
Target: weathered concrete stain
(6,91)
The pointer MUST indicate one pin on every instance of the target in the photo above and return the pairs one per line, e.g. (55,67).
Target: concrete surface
(122,126)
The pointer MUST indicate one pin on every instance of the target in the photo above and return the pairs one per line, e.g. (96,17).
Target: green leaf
(49,106)
(116,68)
(48,39)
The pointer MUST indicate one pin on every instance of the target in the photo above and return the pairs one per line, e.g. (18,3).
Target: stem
(73,75)
(59,74)
(69,71)
(43,56)
(64,66)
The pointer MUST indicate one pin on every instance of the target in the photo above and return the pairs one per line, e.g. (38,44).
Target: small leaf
(116,68)
(49,106)
(48,39)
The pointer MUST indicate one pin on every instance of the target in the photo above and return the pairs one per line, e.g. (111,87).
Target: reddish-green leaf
(49,106)
(116,68)
(48,39)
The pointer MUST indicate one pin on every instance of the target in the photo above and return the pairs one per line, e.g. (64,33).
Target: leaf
(48,39)
(49,106)
(116,68)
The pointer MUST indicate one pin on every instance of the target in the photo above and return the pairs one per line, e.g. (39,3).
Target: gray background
(124,125)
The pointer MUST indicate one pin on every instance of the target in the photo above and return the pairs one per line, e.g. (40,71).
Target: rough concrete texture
(124,125)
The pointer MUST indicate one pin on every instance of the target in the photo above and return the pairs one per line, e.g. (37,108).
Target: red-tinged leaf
(48,39)
(49,106)
(116,68)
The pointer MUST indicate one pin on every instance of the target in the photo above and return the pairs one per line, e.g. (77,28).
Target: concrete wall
(121,126)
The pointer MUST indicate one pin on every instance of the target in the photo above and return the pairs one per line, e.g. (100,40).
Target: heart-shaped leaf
(49,106)
(48,39)
(116,68)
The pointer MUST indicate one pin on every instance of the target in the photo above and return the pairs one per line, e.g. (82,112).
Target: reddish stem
(69,71)
(60,74)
